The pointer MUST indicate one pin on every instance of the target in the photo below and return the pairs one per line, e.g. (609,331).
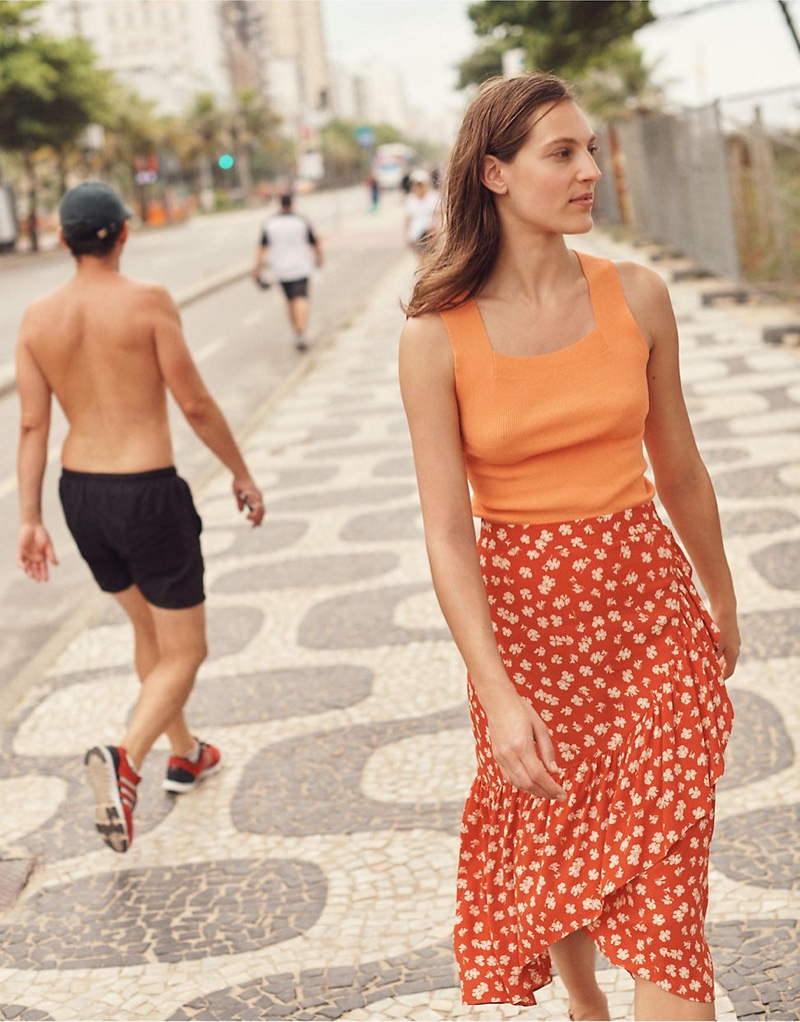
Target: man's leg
(298,315)
(146,656)
(180,643)
(172,650)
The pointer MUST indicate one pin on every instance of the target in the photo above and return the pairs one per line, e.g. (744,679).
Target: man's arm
(198,406)
(34,547)
(261,254)
(314,242)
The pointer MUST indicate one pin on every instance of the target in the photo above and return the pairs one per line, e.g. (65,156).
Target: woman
(596,689)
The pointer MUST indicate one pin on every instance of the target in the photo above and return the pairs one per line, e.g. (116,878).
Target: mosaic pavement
(313,877)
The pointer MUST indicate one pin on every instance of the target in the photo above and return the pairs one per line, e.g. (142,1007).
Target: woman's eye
(594,150)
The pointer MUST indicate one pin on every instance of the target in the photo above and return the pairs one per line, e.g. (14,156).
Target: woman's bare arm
(682,480)
(520,740)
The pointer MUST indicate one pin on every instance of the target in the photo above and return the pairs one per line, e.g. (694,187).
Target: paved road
(313,877)
(178,256)
(243,344)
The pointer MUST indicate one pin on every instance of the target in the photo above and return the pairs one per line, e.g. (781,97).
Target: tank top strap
(467,335)
(610,307)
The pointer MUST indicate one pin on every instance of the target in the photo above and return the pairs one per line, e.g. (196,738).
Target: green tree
(50,91)
(587,41)
(618,81)
(255,127)
(132,129)
(199,138)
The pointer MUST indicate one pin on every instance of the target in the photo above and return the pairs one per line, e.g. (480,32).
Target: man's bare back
(109,348)
(100,342)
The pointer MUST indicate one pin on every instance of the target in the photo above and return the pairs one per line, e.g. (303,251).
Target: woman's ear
(492,175)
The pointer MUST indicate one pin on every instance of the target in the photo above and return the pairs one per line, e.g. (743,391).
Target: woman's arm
(520,741)
(682,480)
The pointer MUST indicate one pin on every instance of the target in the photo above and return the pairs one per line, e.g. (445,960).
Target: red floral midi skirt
(601,629)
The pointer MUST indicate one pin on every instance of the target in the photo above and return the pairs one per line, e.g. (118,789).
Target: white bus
(391,163)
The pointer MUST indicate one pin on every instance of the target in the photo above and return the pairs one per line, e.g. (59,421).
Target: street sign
(365,137)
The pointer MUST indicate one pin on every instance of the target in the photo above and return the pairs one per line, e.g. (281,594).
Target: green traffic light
(226,161)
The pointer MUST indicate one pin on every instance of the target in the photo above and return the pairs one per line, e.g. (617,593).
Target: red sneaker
(183,775)
(113,781)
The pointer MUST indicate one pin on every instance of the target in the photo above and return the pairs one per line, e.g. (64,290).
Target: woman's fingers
(529,774)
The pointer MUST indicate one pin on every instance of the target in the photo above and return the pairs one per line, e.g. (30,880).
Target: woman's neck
(531,267)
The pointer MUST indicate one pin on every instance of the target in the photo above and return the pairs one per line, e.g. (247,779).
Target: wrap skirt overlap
(601,628)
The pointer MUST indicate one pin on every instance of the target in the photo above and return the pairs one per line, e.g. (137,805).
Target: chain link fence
(719,184)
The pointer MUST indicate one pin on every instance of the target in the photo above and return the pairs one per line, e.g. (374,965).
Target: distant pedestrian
(109,348)
(421,209)
(291,243)
(374,193)
(533,378)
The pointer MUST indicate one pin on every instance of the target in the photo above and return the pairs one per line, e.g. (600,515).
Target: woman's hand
(523,749)
(729,642)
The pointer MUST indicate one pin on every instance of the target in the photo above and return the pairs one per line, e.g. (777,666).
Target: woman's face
(549,184)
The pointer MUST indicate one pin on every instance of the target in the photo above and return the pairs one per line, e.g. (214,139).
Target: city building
(166,50)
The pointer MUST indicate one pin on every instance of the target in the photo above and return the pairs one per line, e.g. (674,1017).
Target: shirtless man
(109,348)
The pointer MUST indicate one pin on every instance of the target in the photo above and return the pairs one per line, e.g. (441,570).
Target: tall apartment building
(167,50)
(298,77)
(244,38)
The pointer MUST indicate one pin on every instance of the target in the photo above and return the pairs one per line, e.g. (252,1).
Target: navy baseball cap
(92,209)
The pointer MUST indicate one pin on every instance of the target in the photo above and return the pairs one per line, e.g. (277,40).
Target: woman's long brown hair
(496,123)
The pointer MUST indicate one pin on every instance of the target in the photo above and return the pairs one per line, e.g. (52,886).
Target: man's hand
(35,552)
(249,496)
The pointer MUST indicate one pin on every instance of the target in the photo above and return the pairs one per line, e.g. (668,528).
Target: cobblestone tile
(363,620)
(349,498)
(762,970)
(167,914)
(329,993)
(771,633)
(764,749)
(760,847)
(401,524)
(280,693)
(319,783)
(306,572)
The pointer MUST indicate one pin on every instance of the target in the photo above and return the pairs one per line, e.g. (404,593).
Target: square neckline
(596,330)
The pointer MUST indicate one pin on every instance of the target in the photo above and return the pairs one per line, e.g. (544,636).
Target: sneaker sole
(181,787)
(109,816)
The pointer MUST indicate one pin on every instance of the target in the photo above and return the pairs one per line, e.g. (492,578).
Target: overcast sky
(725,48)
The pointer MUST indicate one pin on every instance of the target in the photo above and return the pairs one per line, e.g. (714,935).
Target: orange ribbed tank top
(555,437)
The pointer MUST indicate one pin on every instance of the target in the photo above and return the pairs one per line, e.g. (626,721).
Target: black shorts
(295,288)
(140,528)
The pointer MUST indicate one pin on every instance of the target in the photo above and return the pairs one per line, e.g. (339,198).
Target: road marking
(210,349)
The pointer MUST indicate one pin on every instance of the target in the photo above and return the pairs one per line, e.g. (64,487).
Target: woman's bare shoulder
(426,336)
(640,283)
(425,328)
